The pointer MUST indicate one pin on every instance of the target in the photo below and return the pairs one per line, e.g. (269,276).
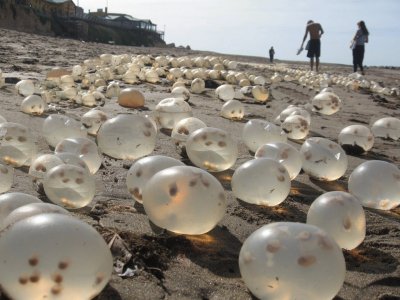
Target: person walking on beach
(358,46)
(271,54)
(314,44)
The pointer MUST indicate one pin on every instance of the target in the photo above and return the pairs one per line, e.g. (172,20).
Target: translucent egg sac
(69,158)
(225,92)
(260,93)
(6,178)
(40,165)
(127,136)
(233,110)
(326,103)
(59,127)
(346,225)
(25,87)
(184,128)
(53,256)
(197,86)
(181,92)
(261,181)
(113,90)
(257,132)
(85,148)
(32,209)
(296,127)
(211,149)
(33,105)
(17,144)
(143,169)
(388,128)
(174,200)
(283,153)
(130,97)
(376,184)
(92,120)
(69,186)
(11,201)
(285,260)
(356,139)
(170,111)
(323,159)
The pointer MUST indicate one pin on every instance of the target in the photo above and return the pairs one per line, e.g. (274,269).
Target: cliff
(17,16)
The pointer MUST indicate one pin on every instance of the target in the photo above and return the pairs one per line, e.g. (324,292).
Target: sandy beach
(169,266)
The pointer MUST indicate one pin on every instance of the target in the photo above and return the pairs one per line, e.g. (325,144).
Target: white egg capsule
(44,253)
(225,92)
(283,260)
(388,128)
(347,225)
(257,132)
(211,149)
(376,184)
(25,87)
(260,93)
(356,139)
(283,153)
(127,136)
(261,181)
(143,169)
(323,159)
(84,148)
(197,86)
(174,199)
(69,186)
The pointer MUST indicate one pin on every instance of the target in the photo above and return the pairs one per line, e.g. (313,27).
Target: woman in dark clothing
(358,46)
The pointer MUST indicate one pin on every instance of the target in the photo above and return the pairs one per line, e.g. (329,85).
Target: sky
(251,27)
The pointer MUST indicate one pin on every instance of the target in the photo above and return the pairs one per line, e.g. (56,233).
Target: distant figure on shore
(314,44)
(271,54)
(358,46)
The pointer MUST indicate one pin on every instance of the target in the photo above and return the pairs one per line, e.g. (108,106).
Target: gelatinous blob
(59,127)
(388,127)
(225,92)
(211,149)
(69,186)
(33,105)
(296,127)
(197,86)
(143,169)
(184,128)
(11,201)
(257,132)
(347,225)
(44,253)
(84,148)
(261,181)
(326,103)
(260,93)
(17,144)
(356,139)
(41,165)
(170,111)
(233,110)
(283,153)
(130,97)
(174,199)
(25,87)
(92,120)
(6,178)
(127,137)
(323,159)
(376,184)
(280,260)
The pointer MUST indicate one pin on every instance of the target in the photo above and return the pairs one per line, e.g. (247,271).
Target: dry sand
(206,267)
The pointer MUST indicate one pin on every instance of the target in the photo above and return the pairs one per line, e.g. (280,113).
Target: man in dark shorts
(314,44)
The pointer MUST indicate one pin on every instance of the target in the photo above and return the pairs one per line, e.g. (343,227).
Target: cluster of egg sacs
(43,248)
